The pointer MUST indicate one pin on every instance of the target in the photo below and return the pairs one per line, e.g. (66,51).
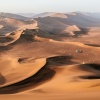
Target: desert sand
(43,67)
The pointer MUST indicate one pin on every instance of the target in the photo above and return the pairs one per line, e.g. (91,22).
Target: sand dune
(10,15)
(75,18)
(10,25)
(10,38)
(49,68)
(59,23)
(54,25)
(36,63)
(60,15)
(45,14)
(11,75)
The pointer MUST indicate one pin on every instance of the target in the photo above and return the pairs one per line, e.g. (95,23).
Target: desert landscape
(50,56)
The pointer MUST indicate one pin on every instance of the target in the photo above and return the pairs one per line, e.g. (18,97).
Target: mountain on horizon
(51,22)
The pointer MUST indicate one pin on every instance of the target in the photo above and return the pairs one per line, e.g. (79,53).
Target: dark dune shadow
(90,77)
(60,60)
(40,77)
(2,79)
(94,45)
(90,67)
(93,66)
(27,37)
(83,31)
(5,48)
(8,29)
(5,39)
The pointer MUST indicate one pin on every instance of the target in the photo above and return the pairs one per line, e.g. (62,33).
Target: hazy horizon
(26,6)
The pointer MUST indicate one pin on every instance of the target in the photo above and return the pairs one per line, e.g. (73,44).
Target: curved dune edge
(19,72)
(10,38)
(69,79)
(67,64)
(76,76)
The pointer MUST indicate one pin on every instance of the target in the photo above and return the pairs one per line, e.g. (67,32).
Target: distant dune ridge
(52,22)
(54,56)
(9,25)
(10,15)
